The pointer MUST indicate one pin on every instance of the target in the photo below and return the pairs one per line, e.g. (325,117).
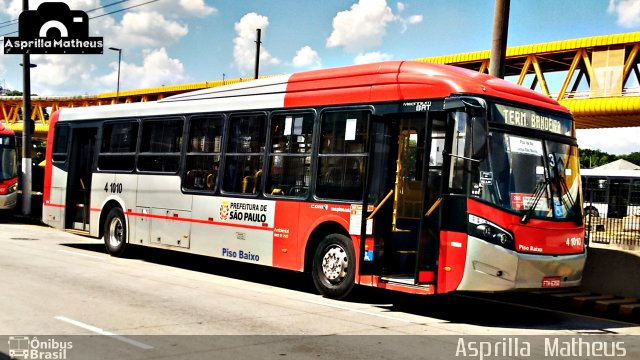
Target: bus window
(245,153)
(461,122)
(61,143)
(8,159)
(160,145)
(341,161)
(203,153)
(290,155)
(118,147)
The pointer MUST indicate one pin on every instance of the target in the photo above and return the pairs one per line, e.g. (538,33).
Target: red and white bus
(408,176)
(8,169)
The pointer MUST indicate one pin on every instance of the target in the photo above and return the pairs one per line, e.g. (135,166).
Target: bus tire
(333,269)
(115,232)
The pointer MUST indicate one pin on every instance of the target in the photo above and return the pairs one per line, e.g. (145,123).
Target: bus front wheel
(115,232)
(333,268)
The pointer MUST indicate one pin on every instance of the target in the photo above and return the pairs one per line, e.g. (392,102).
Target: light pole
(499,41)
(26,133)
(119,60)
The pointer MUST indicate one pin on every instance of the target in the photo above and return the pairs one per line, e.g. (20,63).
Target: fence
(614,231)
(612,210)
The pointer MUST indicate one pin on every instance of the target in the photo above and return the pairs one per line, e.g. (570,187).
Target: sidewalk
(612,270)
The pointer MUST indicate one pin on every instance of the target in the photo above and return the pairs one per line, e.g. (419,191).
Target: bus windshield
(533,177)
(8,160)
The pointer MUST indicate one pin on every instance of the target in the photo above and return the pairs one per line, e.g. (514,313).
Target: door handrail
(380,205)
(433,207)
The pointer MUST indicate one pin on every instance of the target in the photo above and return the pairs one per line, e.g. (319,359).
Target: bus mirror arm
(380,205)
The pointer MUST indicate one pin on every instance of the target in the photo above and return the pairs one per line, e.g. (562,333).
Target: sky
(167,42)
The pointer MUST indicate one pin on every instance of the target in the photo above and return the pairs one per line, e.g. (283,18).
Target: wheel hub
(115,232)
(335,263)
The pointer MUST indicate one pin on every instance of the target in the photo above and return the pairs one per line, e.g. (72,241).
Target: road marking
(359,311)
(81,254)
(104,332)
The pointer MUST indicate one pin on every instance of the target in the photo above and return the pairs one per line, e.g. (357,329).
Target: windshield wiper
(565,188)
(540,189)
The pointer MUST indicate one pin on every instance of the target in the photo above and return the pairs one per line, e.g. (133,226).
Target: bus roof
(610,173)
(5,130)
(370,83)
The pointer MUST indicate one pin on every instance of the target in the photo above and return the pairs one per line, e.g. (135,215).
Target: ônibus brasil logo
(53,29)
(27,348)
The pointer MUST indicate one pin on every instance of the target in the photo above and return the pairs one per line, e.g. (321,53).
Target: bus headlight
(490,232)
(13,188)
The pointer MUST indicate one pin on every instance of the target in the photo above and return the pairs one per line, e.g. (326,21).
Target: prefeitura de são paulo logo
(53,29)
(224,211)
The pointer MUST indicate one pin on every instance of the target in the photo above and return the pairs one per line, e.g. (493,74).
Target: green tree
(592,158)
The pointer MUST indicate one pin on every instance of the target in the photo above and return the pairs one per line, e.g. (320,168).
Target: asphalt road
(57,285)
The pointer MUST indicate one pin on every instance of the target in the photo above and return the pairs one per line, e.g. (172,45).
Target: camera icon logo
(53,29)
(54,20)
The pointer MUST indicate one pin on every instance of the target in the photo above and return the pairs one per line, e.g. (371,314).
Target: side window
(203,153)
(61,143)
(290,154)
(245,153)
(160,145)
(118,146)
(343,155)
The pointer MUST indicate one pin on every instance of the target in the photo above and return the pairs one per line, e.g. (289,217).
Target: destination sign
(531,119)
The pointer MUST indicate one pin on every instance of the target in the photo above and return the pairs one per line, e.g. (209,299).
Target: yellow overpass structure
(598,77)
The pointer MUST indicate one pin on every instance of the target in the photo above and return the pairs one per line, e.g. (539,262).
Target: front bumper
(489,267)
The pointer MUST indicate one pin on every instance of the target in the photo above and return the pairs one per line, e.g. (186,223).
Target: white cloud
(627,11)
(364,26)
(244,49)
(157,69)
(145,29)
(181,8)
(62,74)
(414,19)
(306,57)
(78,74)
(197,7)
(371,57)
(3,73)
(626,140)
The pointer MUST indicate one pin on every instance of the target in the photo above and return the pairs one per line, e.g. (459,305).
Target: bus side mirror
(478,138)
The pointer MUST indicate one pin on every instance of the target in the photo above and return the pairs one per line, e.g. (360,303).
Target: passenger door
(78,197)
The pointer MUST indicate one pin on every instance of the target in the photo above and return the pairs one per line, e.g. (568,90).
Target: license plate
(551,282)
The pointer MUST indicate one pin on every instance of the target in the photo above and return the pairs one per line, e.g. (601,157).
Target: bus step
(80,226)
(402,279)
(78,232)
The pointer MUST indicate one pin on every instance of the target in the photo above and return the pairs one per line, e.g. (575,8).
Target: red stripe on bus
(176,218)
(48,172)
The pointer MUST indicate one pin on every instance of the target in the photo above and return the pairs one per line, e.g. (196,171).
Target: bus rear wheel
(333,268)
(115,232)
